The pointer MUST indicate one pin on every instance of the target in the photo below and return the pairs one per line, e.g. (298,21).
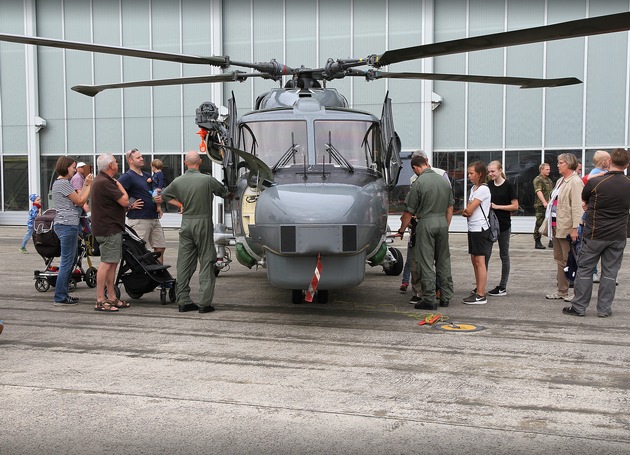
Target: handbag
(493,224)
(544,228)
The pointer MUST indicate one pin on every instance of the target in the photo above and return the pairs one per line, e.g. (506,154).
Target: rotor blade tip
(85,90)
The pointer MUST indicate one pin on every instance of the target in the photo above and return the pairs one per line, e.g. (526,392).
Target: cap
(80,164)
(33,196)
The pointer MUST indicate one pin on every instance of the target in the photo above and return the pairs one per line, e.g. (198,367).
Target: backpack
(45,239)
(493,224)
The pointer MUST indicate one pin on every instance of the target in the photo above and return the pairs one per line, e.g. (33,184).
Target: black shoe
(188,307)
(67,301)
(444,303)
(571,311)
(550,244)
(498,292)
(415,299)
(425,306)
(206,309)
(539,245)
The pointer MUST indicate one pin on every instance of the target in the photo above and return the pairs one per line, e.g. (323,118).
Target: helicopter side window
(351,139)
(277,143)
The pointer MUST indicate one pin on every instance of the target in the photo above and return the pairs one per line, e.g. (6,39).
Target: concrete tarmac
(357,375)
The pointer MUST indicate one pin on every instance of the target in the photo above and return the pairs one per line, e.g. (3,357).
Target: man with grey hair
(192,193)
(109,205)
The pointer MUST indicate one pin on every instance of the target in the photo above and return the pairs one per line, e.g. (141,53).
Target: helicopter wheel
(322,296)
(397,268)
(297,296)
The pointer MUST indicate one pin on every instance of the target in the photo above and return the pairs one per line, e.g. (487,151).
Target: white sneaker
(595,278)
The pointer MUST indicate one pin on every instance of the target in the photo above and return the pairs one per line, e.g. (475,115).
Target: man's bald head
(192,159)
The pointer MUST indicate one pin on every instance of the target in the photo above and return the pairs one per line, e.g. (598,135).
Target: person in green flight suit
(431,201)
(192,193)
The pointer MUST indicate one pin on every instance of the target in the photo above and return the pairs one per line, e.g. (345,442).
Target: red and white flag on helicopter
(312,288)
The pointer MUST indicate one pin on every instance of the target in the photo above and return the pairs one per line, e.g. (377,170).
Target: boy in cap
(37,205)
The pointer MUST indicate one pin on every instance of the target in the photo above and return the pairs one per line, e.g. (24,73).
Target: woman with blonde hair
(479,243)
(504,201)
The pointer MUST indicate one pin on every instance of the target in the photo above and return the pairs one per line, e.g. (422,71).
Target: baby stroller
(48,246)
(140,271)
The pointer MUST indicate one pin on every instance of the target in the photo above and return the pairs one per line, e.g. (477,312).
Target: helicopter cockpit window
(352,139)
(277,143)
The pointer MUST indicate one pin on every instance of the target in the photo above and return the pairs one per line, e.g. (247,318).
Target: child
(37,205)
(157,179)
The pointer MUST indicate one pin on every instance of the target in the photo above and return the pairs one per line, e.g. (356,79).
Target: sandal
(105,305)
(120,303)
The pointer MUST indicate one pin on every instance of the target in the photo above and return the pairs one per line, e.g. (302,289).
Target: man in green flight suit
(193,192)
(431,201)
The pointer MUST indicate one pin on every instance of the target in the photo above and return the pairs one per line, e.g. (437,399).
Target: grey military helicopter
(310,176)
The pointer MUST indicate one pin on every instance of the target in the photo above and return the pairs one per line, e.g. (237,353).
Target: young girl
(37,205)
(479,243)
(504,200)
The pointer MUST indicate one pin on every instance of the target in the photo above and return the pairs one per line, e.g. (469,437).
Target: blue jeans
(407,269)
(69,238)
(29,234)
(504,254)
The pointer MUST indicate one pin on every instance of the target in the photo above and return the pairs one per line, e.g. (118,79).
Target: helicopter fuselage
(327,196)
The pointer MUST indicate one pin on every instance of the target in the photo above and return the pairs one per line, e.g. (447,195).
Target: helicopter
(310,175)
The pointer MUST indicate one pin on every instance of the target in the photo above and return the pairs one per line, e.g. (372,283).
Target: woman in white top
(479,243)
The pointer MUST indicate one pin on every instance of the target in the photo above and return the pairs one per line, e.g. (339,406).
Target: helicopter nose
(327,219)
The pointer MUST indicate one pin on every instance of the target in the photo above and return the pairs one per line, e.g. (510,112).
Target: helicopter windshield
(352,139)
(276,143)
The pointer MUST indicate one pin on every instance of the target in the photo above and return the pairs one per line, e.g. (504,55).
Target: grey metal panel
(51,81)
(296,272)
(523,127)
(607,82)
(450,120)
(107,69)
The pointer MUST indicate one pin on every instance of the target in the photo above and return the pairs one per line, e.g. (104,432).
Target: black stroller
(140,271)
(48,246)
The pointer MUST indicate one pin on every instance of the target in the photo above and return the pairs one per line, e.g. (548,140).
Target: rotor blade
(581,27)
(523,82)
(223,62)
(91,90)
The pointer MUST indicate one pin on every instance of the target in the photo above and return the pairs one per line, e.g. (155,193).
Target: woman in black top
(504,200)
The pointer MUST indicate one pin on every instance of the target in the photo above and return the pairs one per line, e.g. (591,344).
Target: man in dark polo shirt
(604,236)
(144,216)
(109,205)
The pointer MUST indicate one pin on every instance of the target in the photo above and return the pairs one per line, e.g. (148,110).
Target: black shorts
(479,243)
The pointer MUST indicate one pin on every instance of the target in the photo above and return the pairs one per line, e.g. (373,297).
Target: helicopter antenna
(323,167)
(304,160)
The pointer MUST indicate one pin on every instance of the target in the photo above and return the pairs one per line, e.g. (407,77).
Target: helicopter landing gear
(394,262)
(297,296)
(322,296)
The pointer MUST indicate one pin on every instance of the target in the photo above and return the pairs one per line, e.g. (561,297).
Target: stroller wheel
(42,285)
(171,294)
(116,292)
(163,296)
(135,295)
(72,285)
(90,277)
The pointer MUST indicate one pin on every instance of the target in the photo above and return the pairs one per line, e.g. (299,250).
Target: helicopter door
(390,143)
(230,160)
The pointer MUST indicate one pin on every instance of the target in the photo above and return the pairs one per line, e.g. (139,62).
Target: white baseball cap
(80,164)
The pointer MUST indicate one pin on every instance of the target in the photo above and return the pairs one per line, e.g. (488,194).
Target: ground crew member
(543,186)
(192,193)
(431,201)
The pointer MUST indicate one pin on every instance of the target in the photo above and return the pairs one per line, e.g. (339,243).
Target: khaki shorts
(111,248)
(150,231)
